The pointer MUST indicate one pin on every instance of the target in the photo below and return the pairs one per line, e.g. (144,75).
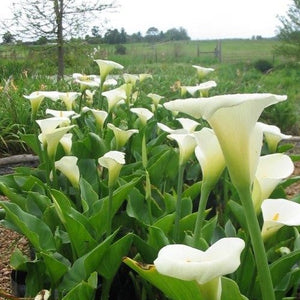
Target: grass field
(169,63)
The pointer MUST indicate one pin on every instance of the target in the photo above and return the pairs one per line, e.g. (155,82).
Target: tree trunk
(58,6)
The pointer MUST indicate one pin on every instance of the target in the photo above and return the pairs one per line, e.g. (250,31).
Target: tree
(55,19)
(152,34)
(289,33)
(7,38)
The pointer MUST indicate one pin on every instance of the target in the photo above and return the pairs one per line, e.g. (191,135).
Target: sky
(210,19)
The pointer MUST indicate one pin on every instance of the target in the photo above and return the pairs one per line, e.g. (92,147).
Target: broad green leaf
(112,259)
(283,266)
(192,191)
(77,225)
(13,196)
(18,260)
(238,213)
(165,223)
(85,265)
(32,141)
(230,290)
(88,196)
(37,232)
(56,265)
(173,288)
(157,238)
(98,220)
(83,290)
(147,252)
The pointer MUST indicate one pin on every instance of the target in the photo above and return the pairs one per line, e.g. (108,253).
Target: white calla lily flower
(66,142)
(202,71)
(51,133)
(187,263)
(106,66)
(35,99)
(130,78)
(144,76)
(209,155)
(99,115)
(121,136)
(144,114)
(186,144)
(114,96)
(113,161)
(203,88)
(155,98)
(68,99)
(272,135)
(233,119)
(277,213)
(68,166)
(61,113)
(188,126)
(271,170)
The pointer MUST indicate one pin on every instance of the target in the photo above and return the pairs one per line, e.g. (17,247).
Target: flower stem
(264,275)
(178,203)
(109,210)
(205,191)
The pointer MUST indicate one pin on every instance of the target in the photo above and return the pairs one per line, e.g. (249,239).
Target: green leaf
(18,260)
(173,288)
(77,225)
(37,232)
(31,141)
(98,220)
(230,290)
(113,257)
(56,265)
(85,265)
(83,290)
(238,213)
(88,196)
(283,266)
(157,238)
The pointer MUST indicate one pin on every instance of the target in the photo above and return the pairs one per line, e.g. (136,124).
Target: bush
(263,65)
(120,49)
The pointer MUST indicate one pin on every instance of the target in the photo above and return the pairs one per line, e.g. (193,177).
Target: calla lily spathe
(202,71)
(51,133)
(203,88)
(99,115)
(271,170)
(121,136)
(68,99)
(187,263)
(114,96)
(66,142)
(186,144)
(233,119)
(106,66)
(209,155)
(68,166)
(277,213)
(155,98)
(188,126)
(61,113)
(37,97)
(144,114)
(113,161)
(272,135)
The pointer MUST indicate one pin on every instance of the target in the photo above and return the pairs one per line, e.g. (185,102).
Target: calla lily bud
(99,115)
(277,213)
(113,161)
